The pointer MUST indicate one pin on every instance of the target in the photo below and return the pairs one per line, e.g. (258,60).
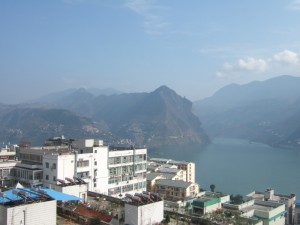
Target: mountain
(37,125)
(158,118)
(263,111)
(91,92)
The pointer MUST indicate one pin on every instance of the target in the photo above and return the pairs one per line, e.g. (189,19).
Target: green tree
(212,187)
(237,199)
(95,221)
(167,220)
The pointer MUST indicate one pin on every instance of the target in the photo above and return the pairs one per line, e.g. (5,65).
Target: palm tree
(212,187)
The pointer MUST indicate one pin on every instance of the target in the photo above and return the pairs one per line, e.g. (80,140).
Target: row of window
(22,173)
(127,169)
(126,188)
(84,163)
(127,159)
(31,157)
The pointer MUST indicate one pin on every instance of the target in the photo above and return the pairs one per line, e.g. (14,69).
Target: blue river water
(238,166)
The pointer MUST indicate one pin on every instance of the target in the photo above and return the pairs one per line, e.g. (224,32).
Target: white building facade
(148,214)
(105,170)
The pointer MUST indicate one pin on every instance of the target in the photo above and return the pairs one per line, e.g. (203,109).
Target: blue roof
(298,203)
(10,196)
(59,196)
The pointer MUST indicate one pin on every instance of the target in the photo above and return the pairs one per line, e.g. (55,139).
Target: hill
(266,111)
(158,118)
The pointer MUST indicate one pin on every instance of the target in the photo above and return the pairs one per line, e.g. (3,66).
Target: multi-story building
(297,212)
(153,177)
(8,153)
(189,167)
(176,190)
(288,200)
(268,212)
(106,170)
(7,165)
(6,173)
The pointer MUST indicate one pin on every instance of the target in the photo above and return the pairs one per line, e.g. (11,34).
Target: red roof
(84,211)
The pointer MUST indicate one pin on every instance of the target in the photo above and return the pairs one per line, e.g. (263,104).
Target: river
(238,166)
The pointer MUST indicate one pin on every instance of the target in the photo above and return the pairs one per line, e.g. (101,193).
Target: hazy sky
(193,46)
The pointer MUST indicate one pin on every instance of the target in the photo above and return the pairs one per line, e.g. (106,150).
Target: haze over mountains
(266,111)
(261,111)
(158,118)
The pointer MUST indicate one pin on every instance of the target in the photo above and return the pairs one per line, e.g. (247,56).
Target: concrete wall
(212,208)
(42,213)
(78,190)
(101,174)
(64,168)
(145,214)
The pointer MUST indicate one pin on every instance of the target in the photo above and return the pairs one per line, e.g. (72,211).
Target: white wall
(42,213)
(144,214)
(64,168)
(102,169)
(78,190)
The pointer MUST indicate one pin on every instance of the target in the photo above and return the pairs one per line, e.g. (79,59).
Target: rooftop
(152,176)
(169,161)
(174,183)
(20,196)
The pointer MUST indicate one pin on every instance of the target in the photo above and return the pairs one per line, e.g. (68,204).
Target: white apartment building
(106,170)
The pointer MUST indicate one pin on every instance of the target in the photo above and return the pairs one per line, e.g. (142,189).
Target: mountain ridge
(160,117)
(258,111)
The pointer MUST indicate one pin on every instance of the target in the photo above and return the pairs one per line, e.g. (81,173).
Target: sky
(194,47)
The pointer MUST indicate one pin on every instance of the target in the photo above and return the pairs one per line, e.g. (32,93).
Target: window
(54,178)
(47,177)
(95,163)
(96,151)
(47,165)
(54,166)
(83,163)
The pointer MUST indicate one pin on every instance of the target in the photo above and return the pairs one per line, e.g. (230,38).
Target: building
(8,153)
(268,212)
(127,170)
(30,206)
(288,200)
(107,170)
(208,202)
(189,167)
(7,178)
(146,209)
(297,212)
(176,190)
(153,177)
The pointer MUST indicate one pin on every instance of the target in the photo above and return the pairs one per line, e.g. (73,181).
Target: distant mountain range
(262,111)
(153,119)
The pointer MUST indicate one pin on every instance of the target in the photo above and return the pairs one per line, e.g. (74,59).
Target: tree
(212,187)
(167,218)
(237,199)
(95,221)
